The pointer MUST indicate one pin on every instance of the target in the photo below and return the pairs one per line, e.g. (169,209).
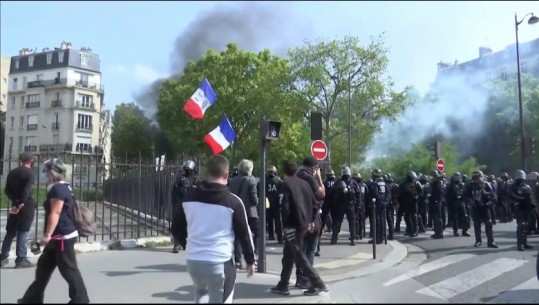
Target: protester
(213,219)
(59,240)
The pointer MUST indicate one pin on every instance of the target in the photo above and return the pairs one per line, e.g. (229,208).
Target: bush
(89,194)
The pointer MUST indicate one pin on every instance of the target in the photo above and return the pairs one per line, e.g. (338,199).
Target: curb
(124,244)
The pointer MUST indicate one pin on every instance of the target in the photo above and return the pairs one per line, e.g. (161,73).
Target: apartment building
(4,72)
(55,108)
(490,65)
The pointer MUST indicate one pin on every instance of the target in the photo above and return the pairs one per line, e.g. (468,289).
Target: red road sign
(440,165)
(319,150)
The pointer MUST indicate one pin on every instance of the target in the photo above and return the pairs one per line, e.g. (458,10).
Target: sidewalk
(155,275)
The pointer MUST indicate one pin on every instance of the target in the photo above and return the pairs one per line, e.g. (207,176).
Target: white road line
(513,295)
(431,266)
(467,280)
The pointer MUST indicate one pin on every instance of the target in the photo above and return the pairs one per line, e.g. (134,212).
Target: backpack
(83,217)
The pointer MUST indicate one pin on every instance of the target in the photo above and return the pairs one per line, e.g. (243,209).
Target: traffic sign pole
(440,166)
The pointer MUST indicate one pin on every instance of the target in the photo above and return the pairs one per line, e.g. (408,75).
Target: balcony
(31,148)
(85,105)
(54,148)
(55,126)
(32,105)
(85,128)
(84,148)
(31,127)
(56,103)
(64,82)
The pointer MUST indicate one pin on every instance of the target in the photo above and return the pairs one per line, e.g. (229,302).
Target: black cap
(310,161)
(26,156)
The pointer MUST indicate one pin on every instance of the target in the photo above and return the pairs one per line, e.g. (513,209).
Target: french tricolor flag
(201,100)
(221,137)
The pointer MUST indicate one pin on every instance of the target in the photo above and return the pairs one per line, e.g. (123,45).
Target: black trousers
(360,221)
(522,216)
(480,215)
(502,210)
(337,216)
(65,259)
(253,225)
(273,220)
(435,209)
(422,215)
(400,214)
(293,253)
(390,210)
(410,217)
(460,216)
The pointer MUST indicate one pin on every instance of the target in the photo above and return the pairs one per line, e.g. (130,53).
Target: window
(10,143)
(85,122)
(84,79)
(84,60)
(21,121)
(84,144)
(12,121)
(16,64)
(22,101)
(61,56)
(33,101)
(524,67)
(15,84)
(12,102)
(30,61)
(21,143)
(30,144)
(81,169)
(49,58)
(503,73)
(32,122)
(24,82)
(56,139)
(85,101)
(56,121)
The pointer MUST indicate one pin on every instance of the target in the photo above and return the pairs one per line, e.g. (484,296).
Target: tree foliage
(340,78)
(420,159)
(131,134)
(248,86)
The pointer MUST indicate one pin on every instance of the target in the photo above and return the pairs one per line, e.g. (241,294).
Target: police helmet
(520,174)
(477,175)
(435,174)
(423,179)
(330,173)
(271,169)
(491,178)
(357,176)
(411,176)
(189,164)
(376,173)
(346,171)
(457,177)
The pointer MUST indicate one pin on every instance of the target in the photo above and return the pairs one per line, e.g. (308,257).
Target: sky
(135,40)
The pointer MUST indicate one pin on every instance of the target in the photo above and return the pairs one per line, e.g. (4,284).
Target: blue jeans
(311,243)
(21,247)
(215,280)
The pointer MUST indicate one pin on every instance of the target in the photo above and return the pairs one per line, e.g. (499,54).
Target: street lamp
(532,20)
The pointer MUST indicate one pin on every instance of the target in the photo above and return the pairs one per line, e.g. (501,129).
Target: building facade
(4,73)
(490,65)
(55,108)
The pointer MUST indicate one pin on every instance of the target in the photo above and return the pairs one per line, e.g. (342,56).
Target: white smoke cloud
(455,103)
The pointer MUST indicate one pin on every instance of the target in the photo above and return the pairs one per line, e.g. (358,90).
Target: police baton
(373,229)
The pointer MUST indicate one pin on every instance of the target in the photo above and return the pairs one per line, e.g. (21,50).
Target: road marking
(428,267)
(513,295)
(349,261)
(465,281)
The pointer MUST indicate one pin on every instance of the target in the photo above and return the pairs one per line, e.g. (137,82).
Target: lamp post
(532,20)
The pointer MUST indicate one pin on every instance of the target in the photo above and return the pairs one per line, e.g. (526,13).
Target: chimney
(442,65)
(63,45)
(484,51)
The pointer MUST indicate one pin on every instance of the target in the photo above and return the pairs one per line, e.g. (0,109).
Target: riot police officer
(422,210)
(410,191)
(378,196)
(360,206)
(182,184)
(325,216)
(435,204)
(455,202)
(273,213)
(504,198)
(346,192)
(522,194)
(479,194)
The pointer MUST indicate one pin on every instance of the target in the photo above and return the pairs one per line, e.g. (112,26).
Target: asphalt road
(452,270)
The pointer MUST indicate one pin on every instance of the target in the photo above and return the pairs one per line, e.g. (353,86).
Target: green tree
(131,134)
(248,86)
(333,75)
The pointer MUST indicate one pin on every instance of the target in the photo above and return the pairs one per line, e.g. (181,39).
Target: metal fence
(129,200)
